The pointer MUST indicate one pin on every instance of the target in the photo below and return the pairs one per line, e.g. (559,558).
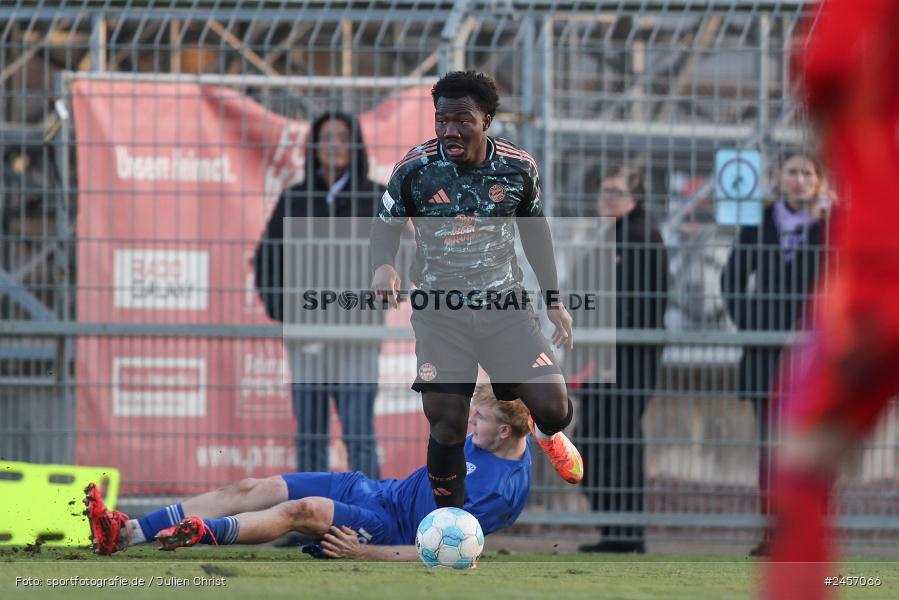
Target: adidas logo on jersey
(542,361)
(439,198)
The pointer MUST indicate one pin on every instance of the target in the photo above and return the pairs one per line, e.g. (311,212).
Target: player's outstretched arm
(385,242)
(386,285)
(563,335)
(344,543)
(537,243)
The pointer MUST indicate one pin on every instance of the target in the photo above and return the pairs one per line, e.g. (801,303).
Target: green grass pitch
(261,572)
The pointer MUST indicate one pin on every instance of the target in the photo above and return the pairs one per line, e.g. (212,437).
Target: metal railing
(657,86)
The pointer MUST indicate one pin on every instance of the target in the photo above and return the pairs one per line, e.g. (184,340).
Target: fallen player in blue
(355,517)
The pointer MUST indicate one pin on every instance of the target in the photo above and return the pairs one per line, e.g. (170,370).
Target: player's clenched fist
(386,285)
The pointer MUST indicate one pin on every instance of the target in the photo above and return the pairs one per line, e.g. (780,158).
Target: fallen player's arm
(344,543)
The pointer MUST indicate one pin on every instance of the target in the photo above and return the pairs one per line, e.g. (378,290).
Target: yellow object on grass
(45,502)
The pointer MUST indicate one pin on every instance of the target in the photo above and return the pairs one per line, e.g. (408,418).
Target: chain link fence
(145,145)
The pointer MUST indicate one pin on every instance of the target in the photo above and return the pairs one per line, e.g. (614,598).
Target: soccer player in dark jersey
(464,191)
(847,75)
(357,517)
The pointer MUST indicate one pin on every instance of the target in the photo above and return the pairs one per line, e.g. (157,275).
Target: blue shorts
(356,504)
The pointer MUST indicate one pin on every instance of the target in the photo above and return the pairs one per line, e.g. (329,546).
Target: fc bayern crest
(497,192)
(427,372)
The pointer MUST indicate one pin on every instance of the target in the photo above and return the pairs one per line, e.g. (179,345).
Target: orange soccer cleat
(109,528)
(183,535)
(562,453)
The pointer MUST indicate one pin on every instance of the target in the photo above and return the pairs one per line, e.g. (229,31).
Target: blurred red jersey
(849,78)
(847,374)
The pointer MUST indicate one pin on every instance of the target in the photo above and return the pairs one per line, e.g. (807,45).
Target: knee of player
(554,409)
(307,514)
(450,432)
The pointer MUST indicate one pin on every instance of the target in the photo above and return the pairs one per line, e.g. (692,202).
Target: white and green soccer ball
(449,537)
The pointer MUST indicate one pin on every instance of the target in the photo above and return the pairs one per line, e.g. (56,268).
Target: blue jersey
(496,490)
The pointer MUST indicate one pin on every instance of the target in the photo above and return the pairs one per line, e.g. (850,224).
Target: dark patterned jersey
(463,216)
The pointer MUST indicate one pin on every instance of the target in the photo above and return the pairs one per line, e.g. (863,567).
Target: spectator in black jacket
(335,189)
(609,422)
(781,256)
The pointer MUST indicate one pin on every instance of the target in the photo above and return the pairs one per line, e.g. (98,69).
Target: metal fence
(659,87)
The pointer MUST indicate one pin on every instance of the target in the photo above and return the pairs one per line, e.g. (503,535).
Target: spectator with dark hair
(336,187)
(781,256)
(609,423)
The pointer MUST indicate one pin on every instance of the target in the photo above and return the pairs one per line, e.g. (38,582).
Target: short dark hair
(459,84)
(359,161)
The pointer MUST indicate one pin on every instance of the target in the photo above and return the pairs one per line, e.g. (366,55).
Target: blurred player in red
(848,80)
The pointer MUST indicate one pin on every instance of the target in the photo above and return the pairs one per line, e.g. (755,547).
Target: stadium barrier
(42,504)
(146,147)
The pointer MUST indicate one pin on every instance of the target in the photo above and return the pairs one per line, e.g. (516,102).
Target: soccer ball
(449,537)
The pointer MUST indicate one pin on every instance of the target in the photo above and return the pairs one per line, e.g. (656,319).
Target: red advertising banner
(176,181)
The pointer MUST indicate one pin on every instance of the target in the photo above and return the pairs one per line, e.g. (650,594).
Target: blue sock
(158,520)
(225,531)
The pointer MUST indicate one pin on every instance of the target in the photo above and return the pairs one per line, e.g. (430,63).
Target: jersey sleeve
(532,204)
(393,207)
(503,507)
(515,492)
(495,512)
